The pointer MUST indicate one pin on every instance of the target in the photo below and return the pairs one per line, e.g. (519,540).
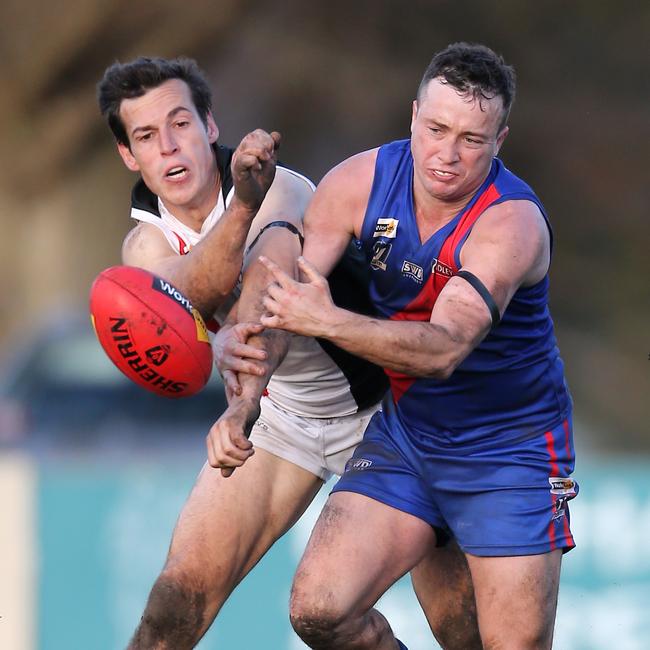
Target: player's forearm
(419,349)
(210,271)
(275,343)
(250,308)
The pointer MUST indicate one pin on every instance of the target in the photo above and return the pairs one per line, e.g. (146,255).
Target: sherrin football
(150,331)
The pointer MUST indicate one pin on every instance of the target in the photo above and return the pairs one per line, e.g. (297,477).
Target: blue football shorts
(502,496)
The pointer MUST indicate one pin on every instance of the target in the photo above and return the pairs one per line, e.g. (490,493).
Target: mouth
(177,173)
(440,173)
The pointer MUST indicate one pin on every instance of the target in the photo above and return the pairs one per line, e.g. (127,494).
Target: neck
(194,214)
(433,213)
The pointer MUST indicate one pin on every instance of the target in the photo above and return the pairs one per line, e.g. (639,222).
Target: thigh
(358,548)
(516,599)
(227,524)
(443,586)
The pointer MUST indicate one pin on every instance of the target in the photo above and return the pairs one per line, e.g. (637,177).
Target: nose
(167,142)
(448,150)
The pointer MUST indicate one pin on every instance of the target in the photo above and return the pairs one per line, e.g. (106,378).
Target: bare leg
(358,549)
(225,527)
(516,599)
(443,585)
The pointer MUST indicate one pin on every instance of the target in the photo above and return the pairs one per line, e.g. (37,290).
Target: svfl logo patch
(413,271)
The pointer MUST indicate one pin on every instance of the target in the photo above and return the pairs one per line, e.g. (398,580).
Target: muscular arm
(279,244)
(208,273)
(227,442)
(508,248)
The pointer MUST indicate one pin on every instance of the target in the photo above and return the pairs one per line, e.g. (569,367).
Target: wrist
(246,404)
(243,206)
(331,325)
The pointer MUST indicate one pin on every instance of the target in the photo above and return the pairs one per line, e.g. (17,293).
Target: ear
(212,128)
(500,138)
(414,113)
(127,157)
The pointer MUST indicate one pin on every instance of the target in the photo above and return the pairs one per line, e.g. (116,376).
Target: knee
(316,619)
(175,614)
(518,640)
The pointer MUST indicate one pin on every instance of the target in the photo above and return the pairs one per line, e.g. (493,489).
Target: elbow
(440,372)
(443,367)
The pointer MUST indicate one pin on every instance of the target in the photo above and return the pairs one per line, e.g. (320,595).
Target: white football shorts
(322,446)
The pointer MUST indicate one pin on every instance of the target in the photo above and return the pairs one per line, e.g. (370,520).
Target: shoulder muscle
(508,247)
(343,193)
(336,212)
(146,246)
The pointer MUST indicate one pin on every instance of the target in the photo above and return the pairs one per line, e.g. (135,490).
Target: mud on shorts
(322,446)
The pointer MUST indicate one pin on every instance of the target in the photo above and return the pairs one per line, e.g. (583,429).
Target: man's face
(453,141)
(170,145)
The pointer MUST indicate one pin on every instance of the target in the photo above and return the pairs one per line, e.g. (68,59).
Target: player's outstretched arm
(208,273)
(275,233)
(508,248)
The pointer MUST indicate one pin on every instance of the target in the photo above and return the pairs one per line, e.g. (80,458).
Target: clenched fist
(253,167)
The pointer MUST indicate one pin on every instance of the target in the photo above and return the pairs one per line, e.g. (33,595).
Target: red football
(150,331)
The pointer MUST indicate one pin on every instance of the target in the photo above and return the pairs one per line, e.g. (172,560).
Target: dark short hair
(128,80)
(473,70)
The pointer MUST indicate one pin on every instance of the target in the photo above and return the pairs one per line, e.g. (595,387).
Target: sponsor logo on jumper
(386,228)
(441,269)
(380,253)
(125,346)
(358,464)
(158,354)
(413,271)
(170,290)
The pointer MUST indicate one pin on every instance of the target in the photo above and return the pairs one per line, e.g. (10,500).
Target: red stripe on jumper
(420,308)
(448,250)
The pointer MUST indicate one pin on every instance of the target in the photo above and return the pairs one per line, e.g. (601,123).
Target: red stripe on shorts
(555,471)
(567,438)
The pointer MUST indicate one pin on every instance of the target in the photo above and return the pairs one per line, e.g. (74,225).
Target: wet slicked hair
(475,71)
(128,80)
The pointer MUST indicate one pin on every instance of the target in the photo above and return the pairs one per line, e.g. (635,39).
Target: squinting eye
(145,136)
(182,123)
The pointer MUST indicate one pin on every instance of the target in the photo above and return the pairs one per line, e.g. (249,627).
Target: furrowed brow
(170,115)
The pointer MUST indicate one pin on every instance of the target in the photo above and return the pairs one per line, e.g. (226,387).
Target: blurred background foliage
(336,78)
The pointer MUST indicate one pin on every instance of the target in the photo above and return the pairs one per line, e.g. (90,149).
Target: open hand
(304,308)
